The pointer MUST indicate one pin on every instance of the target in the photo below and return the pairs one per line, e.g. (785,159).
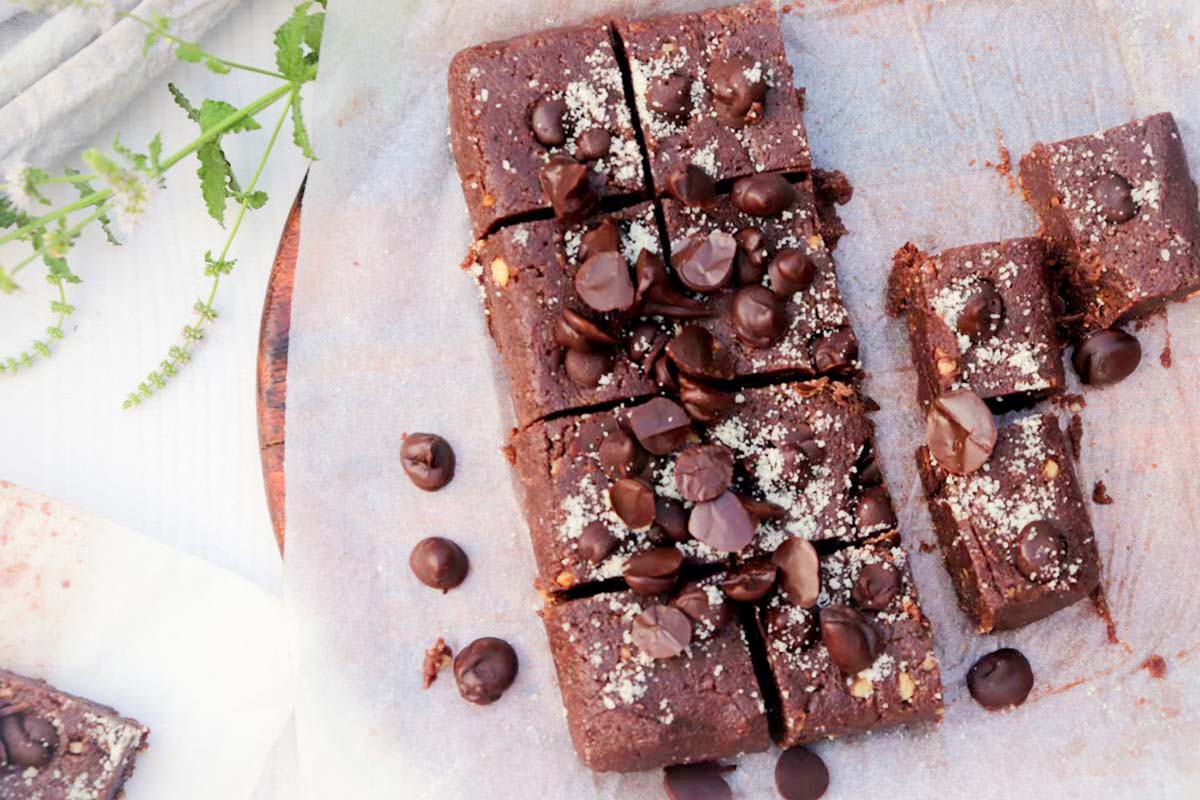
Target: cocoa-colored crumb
(831,189)
(1100,601)
(509,452)
(904,262)
(1164,357)
(1156,665)
(1100,495)
(927,547)
(1070,402)
(437,658)
(1003,166)
(1075,435)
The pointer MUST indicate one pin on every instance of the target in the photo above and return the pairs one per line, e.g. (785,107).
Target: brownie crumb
(509,451)
(1075,435)
(1164,357)
(1003,164)
(904,262)
(1070,402)
(1156,665)
(437,658)
(1100,601)
(831,189)
(1100,495)
(927,547)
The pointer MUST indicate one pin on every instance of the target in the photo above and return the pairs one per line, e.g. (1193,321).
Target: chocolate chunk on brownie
(559,300)
(1015,535)
(858,654)
(1120,208)
(776,308)
(653,681)
(981,317)
(530,111)
(56,746)
(714,89)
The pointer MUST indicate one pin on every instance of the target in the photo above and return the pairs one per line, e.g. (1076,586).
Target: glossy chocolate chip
(851,638)
(702,402)
(791,271)
(723,524)
(653,571)
(766,194)
(764,509)
(671,516)
(1039,550)
(427,460)
(1113,197)
(643,335)
(875,511)
(705,263)
(1000,679)
(800,448)
(751,263)
(547,120)
(661,631)
(982,315)
(799,571)
(620,455)
(759,318)
(485,669)
(697,353)
(576,332)
(1106,357)
(29,740)
(800,774)
(671,96)
(960,431)
(663,371)
(633,501)
(587,368)
(750,582)
(696,782)
(877,585)
(439,563)
(691,185)
(603,283)
(703,472)
(568,189)
(836,352)
(694,601)
(660,425)
(604,237)
(596,542)
(739,87)
(593,144)
(866,469)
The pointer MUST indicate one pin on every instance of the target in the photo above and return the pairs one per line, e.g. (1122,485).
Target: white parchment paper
(911,100)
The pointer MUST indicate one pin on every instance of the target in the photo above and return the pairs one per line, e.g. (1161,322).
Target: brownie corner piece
(1119,207)
(58,745)
(649,682)
(983,317)
(514,104)
(1015,535)
(714,88)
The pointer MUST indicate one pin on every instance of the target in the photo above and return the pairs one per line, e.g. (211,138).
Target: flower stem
(69,234)
(231,64)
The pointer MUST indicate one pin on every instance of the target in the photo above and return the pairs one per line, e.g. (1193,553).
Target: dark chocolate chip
(547,120)
(982,316)
(439,563)
(653,571)
(633,501)
(703,472)
(603,283)
(723,524)
(691,185)
(752,256)
(593,144)
(682,308)
(836,352)
(661,631)
(29,740)
(800,774)
(1000,679)
(800,448)
(602,238)
(574,331)
(877,586)
(663,371)
(653,279)
(960,431)
(484,669)
(791,271)
(867,468)
(851,639)
(763,509)
(596,542)
(568,188)
(671,96)
(659,297)
(705,263)
(643,335)
(875,511)
(672,517)
(766,194)
(759,318)
(620,455)
(696,782)
(1039,550)
(750,582)
(586,368)
(1106,357)
(427,460)
(660,425)
(693,600)
(739,87)
(1113,197)
(699,354)
(702,402)
(799,571)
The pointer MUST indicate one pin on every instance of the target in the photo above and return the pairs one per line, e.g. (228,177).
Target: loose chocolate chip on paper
(982,316)
(671,96)
(439,563)
(791,271)
(586,368)
(697,353)
(547,119)
(1113,197)
(653,571)
(960,431)
(661,631)
(1000,679)
(836,353)
(1039,550)
(875,511)
(851,638)
(660,425)
(691,185)
(800,774)
(766,194)
(877,585)
(29,740)
(485,669)
(633,501)
(705,263)
(672,517)
(593,144)
(1106,357)
(568,188)
(620,455)
(799,571)
(693,600)
(427,460)
(596,542)
(752,256)
(723,524)
(759,318)
(604,237)
(703,472)
(750,582)
(697,782)
(603,283)
(702,402)
(739,87)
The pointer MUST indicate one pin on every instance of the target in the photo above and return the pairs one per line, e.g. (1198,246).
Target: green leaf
(9,214)
(34,176)
(214,112)
(183,102)
(7,285)
(313,33)
(214,179)
(212,268)
(215,64)
(189,52)
(85,188)
(256,199)
(156,152)
(300,131)
(289,44)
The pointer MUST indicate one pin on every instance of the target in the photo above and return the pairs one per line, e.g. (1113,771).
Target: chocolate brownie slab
(516,104)
(981,317)
(1015,534)
(1120,207)
(714,89)
(56,746)
(650,682)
